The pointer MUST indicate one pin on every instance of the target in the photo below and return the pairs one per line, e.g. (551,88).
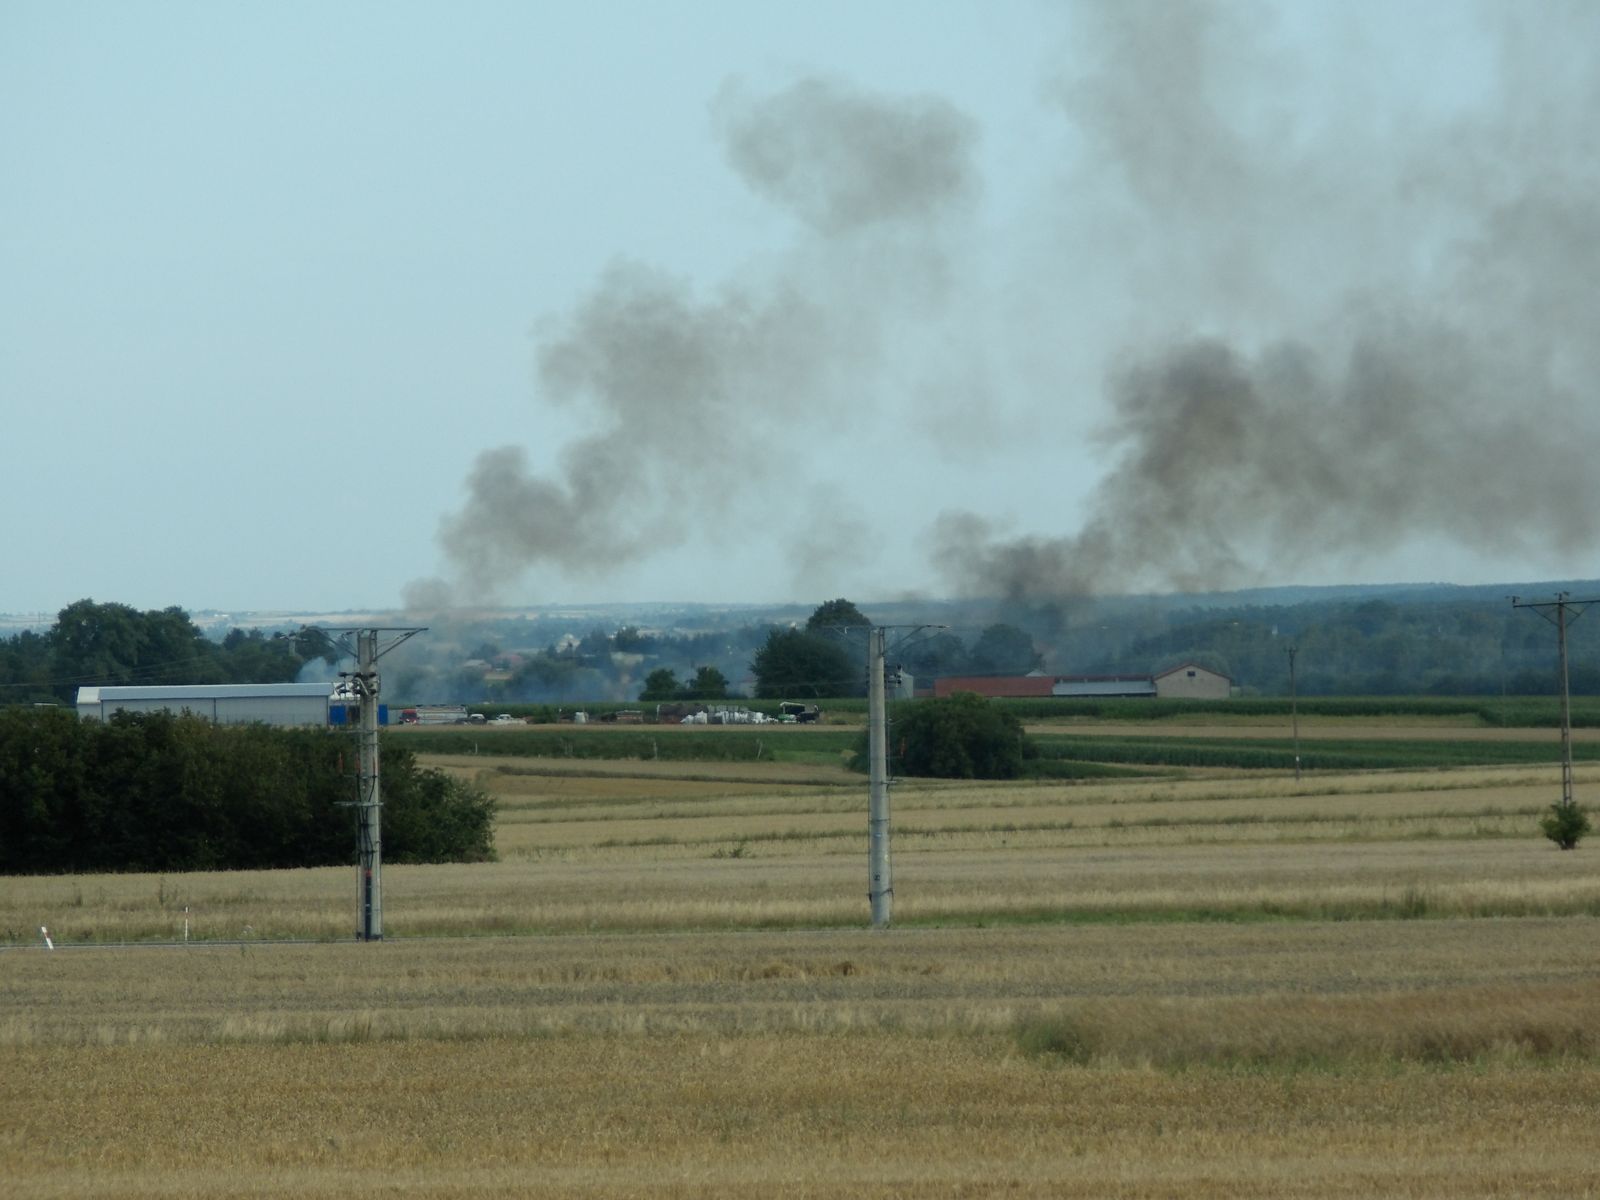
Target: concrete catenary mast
(367,645)
(1561,612)
(880,890)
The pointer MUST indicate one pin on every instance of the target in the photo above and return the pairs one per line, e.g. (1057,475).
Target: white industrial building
(224,703)
(1188,681)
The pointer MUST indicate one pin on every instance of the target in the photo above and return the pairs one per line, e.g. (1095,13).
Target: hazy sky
(315,306)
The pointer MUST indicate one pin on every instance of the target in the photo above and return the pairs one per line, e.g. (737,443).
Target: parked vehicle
(436,714)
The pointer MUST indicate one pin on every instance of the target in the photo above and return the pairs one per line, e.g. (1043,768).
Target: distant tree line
(115,644)
(1374,647)
(1424,642)
(828,656)
(662,685)
(158,792)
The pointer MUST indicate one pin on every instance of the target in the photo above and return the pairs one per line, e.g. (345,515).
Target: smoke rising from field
(1326,326)
(1350,340)
(1228,465)
(697,401)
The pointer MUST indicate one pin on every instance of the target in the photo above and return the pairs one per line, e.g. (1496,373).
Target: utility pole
(880,880)
(369,801)
(368,645)
(880,883)
(1561,612)
(1294,711)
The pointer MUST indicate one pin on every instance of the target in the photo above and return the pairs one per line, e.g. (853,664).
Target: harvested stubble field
(1197,984)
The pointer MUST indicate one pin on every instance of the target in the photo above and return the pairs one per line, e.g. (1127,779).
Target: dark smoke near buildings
(1225,465)
(1363,326)
(1348,339)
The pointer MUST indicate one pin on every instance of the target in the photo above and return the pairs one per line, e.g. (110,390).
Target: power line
(1561,612)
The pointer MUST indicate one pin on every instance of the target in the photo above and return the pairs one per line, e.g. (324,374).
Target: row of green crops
(1493,711)
(1329,755)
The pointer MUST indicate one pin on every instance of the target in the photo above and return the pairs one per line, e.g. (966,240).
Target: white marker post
(48,944)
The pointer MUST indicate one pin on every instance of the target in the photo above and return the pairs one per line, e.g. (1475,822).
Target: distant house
(1186,681)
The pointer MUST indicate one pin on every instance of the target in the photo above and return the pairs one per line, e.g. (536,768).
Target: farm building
(1187,681)
(224,703)
(1190,681)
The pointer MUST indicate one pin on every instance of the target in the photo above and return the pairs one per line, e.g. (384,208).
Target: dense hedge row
(157,792)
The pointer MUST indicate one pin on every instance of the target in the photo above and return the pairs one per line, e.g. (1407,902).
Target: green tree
(1004,650)
(115,644)
(795,664)
(26,669)
(957,737)
(629,640)
(158,792)
(96,643)
(594,646)
(249,656)
(931,657)
(836,614)
(1565,825)
(708,684)
(543,676)
(660,684)
(430,817)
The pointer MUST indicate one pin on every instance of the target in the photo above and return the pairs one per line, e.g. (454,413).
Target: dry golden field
(1366,984)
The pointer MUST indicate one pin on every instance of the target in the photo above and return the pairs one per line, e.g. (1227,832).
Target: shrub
(158,792)
(1565,825)
(956,737)
(1054,1037)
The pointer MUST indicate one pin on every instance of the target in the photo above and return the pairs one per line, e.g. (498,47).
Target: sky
(343,307)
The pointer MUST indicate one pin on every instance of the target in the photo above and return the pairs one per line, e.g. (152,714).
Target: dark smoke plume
(1345,339)
(1229,467)
(842,159)
(692,398)
(680,390)
(1327,325)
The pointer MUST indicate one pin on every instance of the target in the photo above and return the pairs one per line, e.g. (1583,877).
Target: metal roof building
(224,703)
(1045,686)
(1186,681)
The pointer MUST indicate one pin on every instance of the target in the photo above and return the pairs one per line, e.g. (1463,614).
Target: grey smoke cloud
(1323,333)
(690,396)
(842,159)
(1348,338)
(678,388)
(1228,467)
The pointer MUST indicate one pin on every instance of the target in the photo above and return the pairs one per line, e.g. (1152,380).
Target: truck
(437,714)
(803,714)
